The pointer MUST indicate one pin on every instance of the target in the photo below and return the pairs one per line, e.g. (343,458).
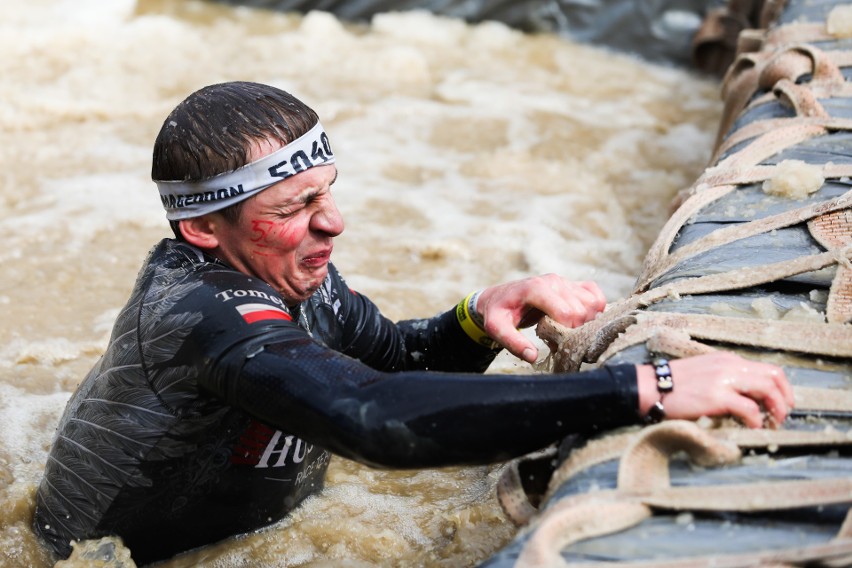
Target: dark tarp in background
(656,30)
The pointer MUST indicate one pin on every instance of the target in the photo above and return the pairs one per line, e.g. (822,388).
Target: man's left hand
(508,307)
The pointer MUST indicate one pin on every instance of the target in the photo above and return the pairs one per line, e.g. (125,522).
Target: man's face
(284,234)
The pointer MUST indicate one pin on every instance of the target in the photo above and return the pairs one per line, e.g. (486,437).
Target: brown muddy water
(468,155)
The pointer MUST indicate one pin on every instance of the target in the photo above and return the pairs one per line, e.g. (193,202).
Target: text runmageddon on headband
(185,199)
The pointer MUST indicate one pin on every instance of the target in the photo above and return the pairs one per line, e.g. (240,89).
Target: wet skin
(284,235)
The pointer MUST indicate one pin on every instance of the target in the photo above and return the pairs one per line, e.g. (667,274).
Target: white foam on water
(28,422)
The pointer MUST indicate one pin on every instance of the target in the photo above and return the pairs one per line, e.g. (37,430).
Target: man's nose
(328,219)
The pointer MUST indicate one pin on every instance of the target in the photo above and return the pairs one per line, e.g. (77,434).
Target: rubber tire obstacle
(756,258)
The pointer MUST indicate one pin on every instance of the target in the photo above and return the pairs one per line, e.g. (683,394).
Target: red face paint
(290,250)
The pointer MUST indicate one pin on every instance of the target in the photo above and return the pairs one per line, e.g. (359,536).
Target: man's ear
(199,231)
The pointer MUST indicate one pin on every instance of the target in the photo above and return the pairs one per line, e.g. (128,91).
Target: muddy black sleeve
(436,343)
(415,419)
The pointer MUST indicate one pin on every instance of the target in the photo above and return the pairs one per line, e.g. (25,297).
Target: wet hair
(212,130)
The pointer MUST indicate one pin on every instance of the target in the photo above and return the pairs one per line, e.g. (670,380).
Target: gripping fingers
(763,390)
(598,301)
(574,307)
(576,313)
(504,332)
(767,384)
(746,410)
(780,379)
(519,346)
(588,299)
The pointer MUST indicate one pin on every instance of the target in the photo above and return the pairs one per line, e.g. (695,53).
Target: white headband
(185,199)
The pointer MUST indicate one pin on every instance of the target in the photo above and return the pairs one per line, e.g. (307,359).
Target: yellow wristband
(469,326)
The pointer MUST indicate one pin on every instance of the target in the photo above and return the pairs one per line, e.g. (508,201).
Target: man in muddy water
(242,358)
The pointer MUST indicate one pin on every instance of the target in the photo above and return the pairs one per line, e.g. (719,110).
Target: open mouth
(317,259)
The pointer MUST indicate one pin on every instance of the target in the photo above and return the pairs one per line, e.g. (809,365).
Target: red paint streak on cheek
(268,236)
(260,230)
(289,235)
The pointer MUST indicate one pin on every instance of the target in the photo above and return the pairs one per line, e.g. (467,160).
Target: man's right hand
(720,384)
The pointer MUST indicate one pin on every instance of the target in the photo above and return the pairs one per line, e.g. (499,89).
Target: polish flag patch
(259,312)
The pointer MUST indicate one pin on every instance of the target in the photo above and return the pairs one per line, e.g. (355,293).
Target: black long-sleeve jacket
(215,406)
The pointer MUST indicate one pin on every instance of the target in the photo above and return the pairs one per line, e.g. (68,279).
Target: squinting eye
(313,198)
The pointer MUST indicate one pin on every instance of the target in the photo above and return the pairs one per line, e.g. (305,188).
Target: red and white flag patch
(258,312)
